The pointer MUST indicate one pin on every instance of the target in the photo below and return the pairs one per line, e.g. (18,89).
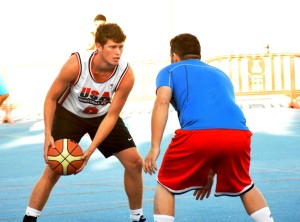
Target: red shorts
(192,153)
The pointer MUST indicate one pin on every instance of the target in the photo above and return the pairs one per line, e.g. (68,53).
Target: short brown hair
(109,31)
(186,46)
(100,17)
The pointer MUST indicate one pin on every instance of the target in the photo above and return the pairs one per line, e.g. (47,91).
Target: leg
(253,200)
(133,180)
(42,189)
(7,118)
(164,201)
(256,206)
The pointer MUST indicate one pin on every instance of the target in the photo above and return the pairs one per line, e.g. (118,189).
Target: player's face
(112,51)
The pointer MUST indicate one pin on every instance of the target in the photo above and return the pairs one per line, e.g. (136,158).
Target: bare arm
(158,123)
(66,76)
(111,117)
(3,98)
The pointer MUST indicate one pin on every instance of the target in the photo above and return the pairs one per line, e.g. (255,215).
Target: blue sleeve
(164,79)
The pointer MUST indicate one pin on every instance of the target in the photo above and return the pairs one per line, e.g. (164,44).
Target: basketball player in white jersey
(87,96)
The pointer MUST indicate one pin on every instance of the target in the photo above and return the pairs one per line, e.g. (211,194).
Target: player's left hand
(149,165)
(206,190)
(86,156)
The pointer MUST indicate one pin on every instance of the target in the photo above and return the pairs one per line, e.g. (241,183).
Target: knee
(50,176)
(140,163)
(136,164)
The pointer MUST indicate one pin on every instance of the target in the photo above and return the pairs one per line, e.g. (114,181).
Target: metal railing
(262,74)
(251,75)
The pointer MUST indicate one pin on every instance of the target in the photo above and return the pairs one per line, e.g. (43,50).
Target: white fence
(251,74)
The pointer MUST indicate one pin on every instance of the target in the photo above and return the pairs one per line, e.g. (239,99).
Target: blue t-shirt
(3,88)
(202,95)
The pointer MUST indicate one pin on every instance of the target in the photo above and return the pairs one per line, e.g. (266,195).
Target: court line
(80,211)
(276,170)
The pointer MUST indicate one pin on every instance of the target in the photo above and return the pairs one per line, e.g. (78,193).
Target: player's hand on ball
(65,157)
(149,165)
(86,156)
(49,142)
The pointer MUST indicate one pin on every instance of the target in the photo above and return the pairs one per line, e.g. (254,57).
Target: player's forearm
(49,109)
(103,131)
(158,122)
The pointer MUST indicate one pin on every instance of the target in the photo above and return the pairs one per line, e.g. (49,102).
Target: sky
(37,31)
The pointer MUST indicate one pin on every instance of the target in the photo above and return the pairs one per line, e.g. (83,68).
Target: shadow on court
(97,194)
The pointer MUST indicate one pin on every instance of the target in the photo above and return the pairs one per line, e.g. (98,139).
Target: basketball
(65,158)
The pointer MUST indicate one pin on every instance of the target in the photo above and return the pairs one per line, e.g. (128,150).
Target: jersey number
(91,110)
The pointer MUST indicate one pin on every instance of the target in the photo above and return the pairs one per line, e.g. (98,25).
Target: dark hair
(109,31)
(100,17)
(186,46)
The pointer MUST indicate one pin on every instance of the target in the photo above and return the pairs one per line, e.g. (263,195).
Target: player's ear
(99,47)
(175,57)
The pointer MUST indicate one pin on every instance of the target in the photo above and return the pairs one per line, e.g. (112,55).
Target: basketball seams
(69,157)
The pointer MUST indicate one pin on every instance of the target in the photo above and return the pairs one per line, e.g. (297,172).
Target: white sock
(136,214)
(262,215)
(163,218)
(32,212)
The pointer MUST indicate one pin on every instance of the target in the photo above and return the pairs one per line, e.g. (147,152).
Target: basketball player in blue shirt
(213,138)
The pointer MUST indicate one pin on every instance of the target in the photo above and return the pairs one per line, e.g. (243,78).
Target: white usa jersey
(86,97)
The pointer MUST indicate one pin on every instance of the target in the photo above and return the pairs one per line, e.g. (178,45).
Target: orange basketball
(65,158)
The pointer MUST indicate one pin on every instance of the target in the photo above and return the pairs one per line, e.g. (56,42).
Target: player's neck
(100,66)
(102,72)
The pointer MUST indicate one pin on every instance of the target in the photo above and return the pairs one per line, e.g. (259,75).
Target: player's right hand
(49,142)
(206,189)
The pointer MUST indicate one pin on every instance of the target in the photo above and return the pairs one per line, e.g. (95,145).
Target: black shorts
(68,125)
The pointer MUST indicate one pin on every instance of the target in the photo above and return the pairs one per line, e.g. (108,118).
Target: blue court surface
(97,193)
